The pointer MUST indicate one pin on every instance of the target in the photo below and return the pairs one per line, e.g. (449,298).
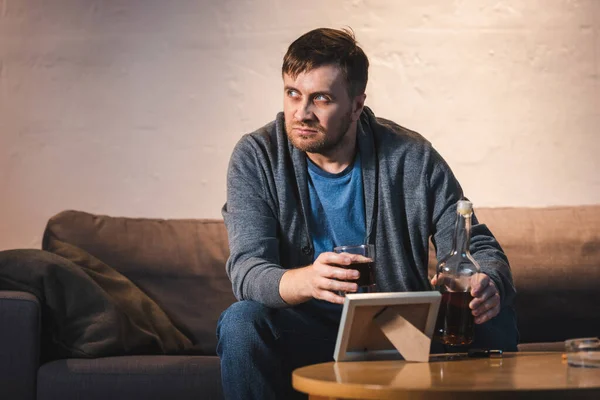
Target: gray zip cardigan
(410,195)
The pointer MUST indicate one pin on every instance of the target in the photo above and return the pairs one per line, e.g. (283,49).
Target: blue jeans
(259,346)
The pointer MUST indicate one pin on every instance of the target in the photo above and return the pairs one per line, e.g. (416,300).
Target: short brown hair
(326,46)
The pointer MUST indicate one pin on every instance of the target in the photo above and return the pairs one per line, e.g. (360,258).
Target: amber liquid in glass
(365,269)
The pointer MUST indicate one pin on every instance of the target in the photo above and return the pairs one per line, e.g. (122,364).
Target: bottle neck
(462,234)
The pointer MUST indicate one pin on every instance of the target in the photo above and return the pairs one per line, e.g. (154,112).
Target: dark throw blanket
(88,309)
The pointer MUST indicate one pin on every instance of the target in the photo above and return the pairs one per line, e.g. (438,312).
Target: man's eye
(321,97)
(292,93)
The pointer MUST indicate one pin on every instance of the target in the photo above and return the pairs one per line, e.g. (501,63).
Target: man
(325,173)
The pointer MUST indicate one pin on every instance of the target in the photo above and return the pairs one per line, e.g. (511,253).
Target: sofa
(554,254)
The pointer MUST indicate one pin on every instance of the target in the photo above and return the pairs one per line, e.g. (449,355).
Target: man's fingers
(330,258)
(343,274)
(479,283)
(486,305)
(433,280)
(488,293)
(337,266)
(329,296)
(334,285)
(333,273)
(338,258)
(487,310)
(337,273)
(486,302)
(488,315)
(325,289)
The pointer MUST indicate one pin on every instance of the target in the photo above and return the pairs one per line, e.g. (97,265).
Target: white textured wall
(133,107)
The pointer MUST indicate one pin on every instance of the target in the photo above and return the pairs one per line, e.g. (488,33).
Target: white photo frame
(371,321)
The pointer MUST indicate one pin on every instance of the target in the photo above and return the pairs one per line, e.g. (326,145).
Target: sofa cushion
(88,309)
(180,264)
(554,254)
(132,377)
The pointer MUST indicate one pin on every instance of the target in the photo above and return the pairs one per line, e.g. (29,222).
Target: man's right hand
(319,280)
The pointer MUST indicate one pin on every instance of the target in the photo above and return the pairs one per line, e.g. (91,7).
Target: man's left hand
(486,301)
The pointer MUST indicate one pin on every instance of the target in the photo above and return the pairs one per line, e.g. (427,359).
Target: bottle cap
(464,207)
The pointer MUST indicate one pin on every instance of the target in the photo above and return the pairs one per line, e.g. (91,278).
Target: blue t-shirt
(337,205)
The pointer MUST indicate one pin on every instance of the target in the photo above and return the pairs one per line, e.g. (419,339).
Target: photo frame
(380,326)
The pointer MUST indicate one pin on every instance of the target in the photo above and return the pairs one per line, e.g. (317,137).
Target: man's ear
(357,106)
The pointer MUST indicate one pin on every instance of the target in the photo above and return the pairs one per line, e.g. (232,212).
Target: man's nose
(304,112)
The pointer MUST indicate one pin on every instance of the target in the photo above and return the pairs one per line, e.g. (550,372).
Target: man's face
(318,110)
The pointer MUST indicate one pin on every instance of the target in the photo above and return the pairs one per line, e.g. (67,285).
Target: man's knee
(242,321)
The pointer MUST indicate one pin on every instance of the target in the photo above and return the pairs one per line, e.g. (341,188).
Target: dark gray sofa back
(180,264)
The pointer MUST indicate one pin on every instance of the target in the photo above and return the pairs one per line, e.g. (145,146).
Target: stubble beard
(324,142)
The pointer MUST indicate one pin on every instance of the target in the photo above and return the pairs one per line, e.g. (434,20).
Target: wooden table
(516,375)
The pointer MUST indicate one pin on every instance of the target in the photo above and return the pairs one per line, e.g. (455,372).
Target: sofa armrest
(20,314)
